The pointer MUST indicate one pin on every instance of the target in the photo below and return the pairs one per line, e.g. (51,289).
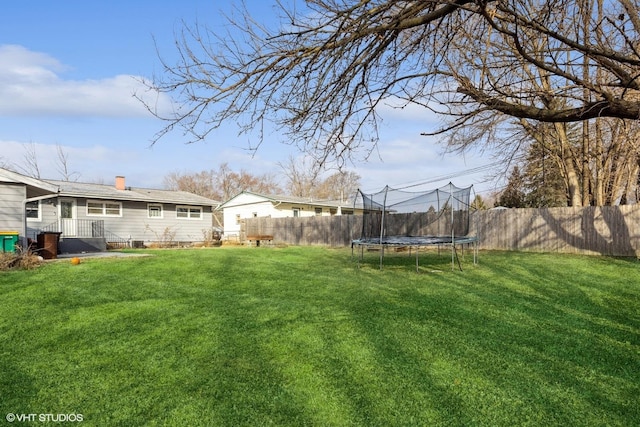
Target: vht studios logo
(43,418)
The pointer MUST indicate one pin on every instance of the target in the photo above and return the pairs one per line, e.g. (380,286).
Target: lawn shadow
(429,259)
(16,387)
(572,345)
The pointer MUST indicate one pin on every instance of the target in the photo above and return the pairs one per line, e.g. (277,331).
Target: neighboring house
(112,213)
(254,205)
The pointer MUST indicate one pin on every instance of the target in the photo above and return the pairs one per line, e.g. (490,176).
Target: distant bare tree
(301,176)
(63,165)
(201,183)
(341,186)
(5,164)
(304,178)
(221,184)
(30,166)
(230,183)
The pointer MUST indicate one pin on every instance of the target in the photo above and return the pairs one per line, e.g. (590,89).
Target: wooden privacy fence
(336,230)
(603,230)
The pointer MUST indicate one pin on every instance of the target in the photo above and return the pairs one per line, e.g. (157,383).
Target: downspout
(25,243)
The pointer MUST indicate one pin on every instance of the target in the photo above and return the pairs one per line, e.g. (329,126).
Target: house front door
(68,215)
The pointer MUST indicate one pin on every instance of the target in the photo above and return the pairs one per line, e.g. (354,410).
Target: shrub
(25,260)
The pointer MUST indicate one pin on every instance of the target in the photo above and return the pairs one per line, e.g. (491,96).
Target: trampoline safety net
(415,218)
(390,212)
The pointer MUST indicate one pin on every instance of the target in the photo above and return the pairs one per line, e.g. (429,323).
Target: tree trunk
(567,166)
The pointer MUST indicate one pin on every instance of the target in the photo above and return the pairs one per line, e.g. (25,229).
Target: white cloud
(394,109)
(101,159)
(402,151)
(31,85)
(406,162)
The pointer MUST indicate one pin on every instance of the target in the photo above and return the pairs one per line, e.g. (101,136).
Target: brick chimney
(120,183)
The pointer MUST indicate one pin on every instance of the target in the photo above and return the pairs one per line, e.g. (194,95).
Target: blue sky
(68,70)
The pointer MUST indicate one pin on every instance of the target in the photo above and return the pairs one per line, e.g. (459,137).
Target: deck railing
(76,227)
(116,242)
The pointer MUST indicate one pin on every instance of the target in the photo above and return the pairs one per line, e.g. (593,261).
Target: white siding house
(254,205)
(130,213)
(11,205)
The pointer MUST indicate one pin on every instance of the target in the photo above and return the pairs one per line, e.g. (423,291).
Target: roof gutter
(25,242)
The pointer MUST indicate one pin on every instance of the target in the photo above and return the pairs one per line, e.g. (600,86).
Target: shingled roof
(277,199)
(110,192)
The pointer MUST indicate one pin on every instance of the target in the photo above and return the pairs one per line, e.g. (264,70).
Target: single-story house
(253,205)
(87,214)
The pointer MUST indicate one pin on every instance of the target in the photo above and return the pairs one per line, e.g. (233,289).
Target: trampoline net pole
(382,224)
(397,217)
(453,243)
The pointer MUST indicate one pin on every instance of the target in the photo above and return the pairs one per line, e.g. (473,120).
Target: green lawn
(301,336)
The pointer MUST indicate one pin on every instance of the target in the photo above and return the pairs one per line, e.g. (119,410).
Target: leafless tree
(201,183)
(323,72)
(30,166)
(341,186)
(229,183)
(615,165)
(5,164)
(221,184)
(301,176)
(63,165)
(557,74)
(304,178)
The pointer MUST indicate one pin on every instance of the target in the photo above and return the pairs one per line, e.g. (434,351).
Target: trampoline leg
(475,252)
(457,258)
(417,265)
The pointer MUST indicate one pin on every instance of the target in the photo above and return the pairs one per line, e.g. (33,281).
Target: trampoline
(399,218)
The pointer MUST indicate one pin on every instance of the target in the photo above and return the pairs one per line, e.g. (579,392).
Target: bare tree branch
(31,165)
(321,76)
(63,165)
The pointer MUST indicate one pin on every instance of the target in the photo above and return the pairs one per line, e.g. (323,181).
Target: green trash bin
(9,240)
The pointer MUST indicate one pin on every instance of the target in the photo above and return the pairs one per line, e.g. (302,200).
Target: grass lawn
(301,336)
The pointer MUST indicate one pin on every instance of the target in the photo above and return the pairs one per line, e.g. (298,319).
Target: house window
(347,212)
(189,212)
(333,211)
(296,212)
(154,210)
(255,214)
(237,219)
(97,208)
(318,211)
(33,210)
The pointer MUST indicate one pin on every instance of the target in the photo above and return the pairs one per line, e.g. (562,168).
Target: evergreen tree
(513,195)
(543,184)
(479,203)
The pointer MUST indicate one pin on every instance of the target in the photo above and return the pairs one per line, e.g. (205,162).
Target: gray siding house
(89,214)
